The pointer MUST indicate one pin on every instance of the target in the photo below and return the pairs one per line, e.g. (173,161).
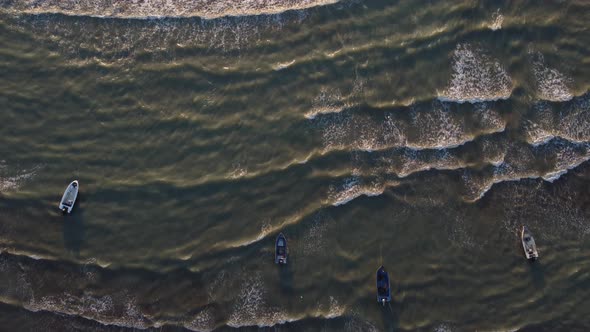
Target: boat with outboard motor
(281,250)
(69,197)
(528,244)
(383,286)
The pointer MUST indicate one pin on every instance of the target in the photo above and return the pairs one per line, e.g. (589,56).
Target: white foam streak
(329,100)
(98,308)
(438,128)
(283,65)
(353,188)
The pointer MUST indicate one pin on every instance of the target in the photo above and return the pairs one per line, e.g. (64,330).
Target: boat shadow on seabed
(389,315)
(285,273)
(73,227)
(537,272)
(535,267)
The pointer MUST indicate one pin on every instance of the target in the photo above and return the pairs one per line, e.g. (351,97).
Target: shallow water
(415,134)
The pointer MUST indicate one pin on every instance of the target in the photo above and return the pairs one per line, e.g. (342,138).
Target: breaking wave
(551,84)
(570,120)
(24,280)
(436,125)
(548,162)
(497,20)
(352,188)
(159,8)
(476,77)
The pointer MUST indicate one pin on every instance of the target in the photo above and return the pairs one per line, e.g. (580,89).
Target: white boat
(528,244)
(69,198)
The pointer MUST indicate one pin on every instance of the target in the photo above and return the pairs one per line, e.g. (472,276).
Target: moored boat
(528,244)
(69,197)
(383,286)
(281,250)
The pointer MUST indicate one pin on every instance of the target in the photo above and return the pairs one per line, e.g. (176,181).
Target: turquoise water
(415,134)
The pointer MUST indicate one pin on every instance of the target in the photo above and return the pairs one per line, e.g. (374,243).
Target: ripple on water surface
(178,127)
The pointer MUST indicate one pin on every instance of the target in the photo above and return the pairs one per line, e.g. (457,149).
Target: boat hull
(528,244)
(69,197)
(383,286)
(281,250)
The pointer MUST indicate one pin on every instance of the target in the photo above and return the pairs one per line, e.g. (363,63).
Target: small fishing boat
(69,198)
(281,250)
(528,244)
(383,286)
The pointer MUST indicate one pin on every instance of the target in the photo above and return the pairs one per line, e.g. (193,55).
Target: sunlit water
(415,134)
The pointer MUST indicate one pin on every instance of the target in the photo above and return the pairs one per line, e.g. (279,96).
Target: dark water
(415,134)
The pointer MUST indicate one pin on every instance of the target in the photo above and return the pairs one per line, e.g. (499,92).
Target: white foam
(574,120)
(552,176)
(355,323)
(97,308)
(238,171)
(335,309)
(203,321)
(161,8)
(536,135)
(567,156)
(328,100)
(332,100)
(283,65)
(353,188)
(118,43)
(551,84)
(443,328)
(497,20)
(436,128)
(250,308)
(265,229)
(566,160)
(571,122)
(412,163)
(476,77)
(392,131)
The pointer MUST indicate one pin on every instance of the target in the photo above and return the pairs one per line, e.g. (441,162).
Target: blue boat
(383,286)
(281,250)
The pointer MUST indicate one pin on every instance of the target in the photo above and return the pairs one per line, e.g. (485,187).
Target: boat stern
(64,209)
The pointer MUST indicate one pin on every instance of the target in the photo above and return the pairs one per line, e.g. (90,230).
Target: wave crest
(161,8)
(551,84)
(476,77)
